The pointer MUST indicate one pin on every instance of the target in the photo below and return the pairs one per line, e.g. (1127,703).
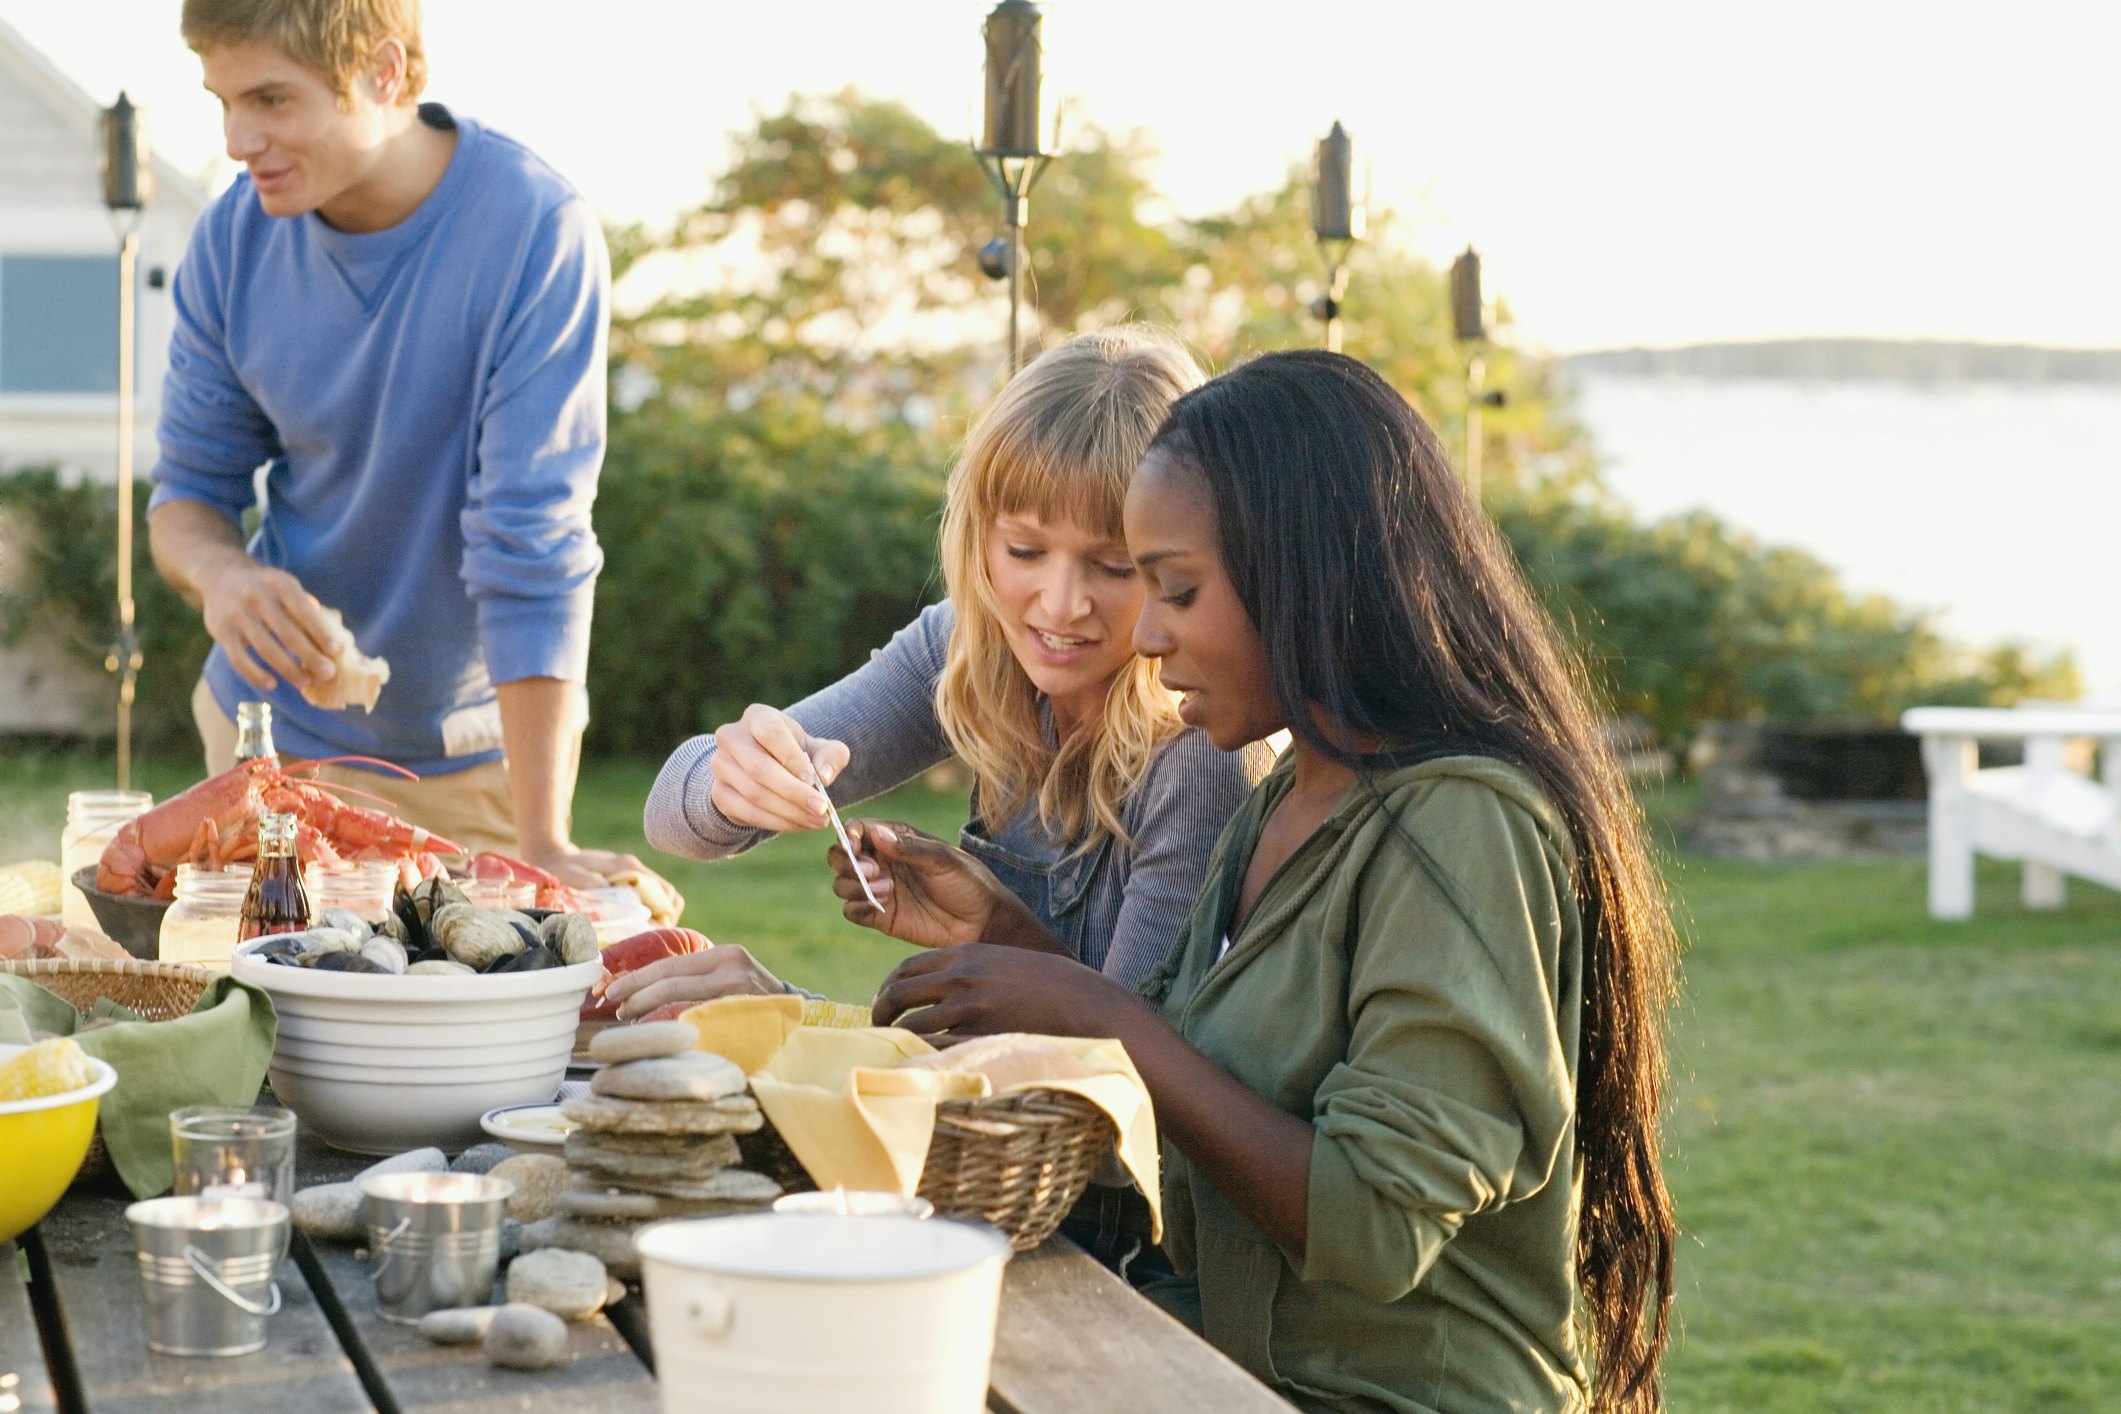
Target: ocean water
(1998,506)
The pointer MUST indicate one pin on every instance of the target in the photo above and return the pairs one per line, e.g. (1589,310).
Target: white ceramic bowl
(379,1065)
(627,917)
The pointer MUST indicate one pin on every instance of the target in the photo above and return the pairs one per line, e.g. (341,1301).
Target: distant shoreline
(1915,361)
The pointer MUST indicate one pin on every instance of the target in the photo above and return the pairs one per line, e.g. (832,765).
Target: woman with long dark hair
(1408,1053)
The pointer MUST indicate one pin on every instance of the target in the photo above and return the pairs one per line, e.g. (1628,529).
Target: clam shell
(384,952)
(318,943)
(571,935)
(474,936)
(439,967)
(347,962)
(535,959)
(344,918)
(433,895)
(392,927)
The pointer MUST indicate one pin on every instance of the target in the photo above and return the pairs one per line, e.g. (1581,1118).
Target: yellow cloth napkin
(856,1121)
(745,1029)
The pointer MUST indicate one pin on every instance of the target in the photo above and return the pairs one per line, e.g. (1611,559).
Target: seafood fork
(839,828)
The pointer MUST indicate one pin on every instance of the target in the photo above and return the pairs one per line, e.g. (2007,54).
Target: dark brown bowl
(136,923)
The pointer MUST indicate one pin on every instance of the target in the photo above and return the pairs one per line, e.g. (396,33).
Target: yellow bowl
(44,1141)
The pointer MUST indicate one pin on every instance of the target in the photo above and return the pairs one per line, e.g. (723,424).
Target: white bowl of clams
(401,1034)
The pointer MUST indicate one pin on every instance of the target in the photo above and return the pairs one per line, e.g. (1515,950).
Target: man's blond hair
(335,38)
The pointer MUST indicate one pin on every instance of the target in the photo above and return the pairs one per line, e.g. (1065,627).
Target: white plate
(528,1126)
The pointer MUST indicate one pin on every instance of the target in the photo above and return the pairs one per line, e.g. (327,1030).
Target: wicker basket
(1016,1162)
(159,991)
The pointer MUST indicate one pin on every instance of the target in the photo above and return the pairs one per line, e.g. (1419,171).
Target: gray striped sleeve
(884,711)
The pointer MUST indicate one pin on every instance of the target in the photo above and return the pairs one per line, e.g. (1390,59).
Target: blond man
(401,315)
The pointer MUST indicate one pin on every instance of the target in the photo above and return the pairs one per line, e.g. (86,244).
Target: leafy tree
(794,361)
(811,382)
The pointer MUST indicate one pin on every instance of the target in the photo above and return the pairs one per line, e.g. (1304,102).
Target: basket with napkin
(1004,1129)
(194,1039)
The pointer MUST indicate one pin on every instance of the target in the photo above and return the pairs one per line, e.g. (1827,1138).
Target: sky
(1632,173)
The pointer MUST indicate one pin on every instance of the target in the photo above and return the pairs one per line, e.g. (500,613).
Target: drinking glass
(223,1152)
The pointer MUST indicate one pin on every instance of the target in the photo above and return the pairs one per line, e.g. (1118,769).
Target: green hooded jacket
(1415,993)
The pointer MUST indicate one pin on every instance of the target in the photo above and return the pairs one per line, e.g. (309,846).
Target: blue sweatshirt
(428,402)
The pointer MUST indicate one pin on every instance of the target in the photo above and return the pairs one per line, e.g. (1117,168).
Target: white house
(59,331)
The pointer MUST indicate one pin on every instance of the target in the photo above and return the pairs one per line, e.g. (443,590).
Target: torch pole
(1476,397)
(125,658)
(1016,204)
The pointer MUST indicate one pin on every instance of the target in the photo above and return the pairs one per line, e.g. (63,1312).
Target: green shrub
(68,535)
(1686,620)
(749,557)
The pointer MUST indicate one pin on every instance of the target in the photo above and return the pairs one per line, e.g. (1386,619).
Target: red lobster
(637,952)
(551,893)
(215,823)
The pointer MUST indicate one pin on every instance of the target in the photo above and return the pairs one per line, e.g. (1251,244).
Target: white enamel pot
(789,1312)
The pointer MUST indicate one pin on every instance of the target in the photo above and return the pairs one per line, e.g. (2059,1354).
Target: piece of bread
(665,905)
(360,678)
(1013,1058)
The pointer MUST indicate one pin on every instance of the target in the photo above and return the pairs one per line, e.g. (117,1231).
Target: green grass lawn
(1895,1144)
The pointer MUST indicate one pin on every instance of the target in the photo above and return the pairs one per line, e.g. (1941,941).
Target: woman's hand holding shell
(767,770)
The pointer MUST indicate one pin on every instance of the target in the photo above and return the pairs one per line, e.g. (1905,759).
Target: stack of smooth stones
(656,1139)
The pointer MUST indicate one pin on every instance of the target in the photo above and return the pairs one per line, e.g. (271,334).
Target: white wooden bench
(2053,817)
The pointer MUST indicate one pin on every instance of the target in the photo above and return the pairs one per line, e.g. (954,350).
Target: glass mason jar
(201,925)
(92,821)
(500,893)
(358,887)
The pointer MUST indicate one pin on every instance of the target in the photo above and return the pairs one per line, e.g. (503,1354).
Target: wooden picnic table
(1071,1337)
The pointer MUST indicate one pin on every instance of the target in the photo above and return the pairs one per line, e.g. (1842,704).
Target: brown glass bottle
(278,901)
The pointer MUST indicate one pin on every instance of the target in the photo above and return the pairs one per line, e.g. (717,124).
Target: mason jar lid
(85,807)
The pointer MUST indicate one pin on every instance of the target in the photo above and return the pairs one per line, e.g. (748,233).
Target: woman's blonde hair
(1060,444)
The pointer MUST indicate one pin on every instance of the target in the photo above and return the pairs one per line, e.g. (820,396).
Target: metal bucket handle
(383,1252)
(242,1303)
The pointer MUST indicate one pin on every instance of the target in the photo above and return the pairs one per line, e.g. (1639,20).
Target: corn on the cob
(30,887)
(844,1015)
(50,1067)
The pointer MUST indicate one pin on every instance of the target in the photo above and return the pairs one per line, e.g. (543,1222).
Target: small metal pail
(434,1240)
(206,1267)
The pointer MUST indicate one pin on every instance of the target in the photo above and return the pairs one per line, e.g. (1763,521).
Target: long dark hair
(1385,597)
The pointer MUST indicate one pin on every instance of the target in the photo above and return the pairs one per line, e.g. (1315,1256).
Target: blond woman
(1092,802)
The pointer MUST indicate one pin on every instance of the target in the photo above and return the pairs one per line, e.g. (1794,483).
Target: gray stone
(538,1179)
(460,1325)
(411,1161)
(603,1204)
(328,1210)
(511,1239)
(480,1158)
(687,1157)
(728,1186)
(694,1076)
(609,1243)
(525,1338)
(644,1040)
(735,1114)
(567,1283)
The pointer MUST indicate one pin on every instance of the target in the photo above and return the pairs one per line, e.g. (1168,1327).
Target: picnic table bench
(1071,1337)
